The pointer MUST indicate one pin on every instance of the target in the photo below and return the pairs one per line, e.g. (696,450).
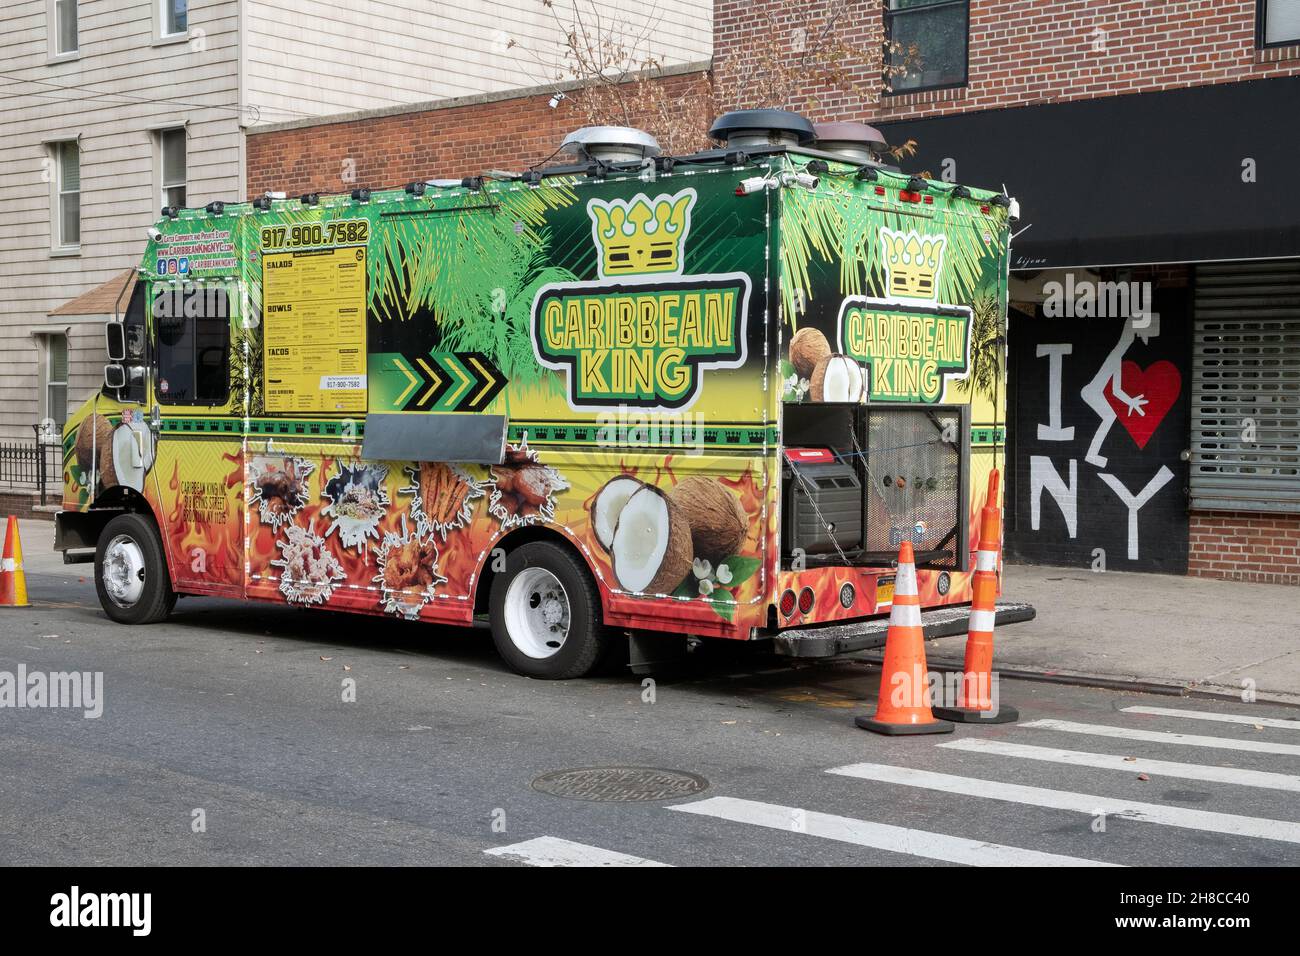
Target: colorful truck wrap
(367,402)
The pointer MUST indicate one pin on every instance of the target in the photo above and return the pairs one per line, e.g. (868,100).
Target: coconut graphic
(651,547)
(808,348)
(714,514)
(608,505)
(94,434)
(837,378)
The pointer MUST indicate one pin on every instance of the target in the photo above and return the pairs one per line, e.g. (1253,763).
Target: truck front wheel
(545,613)
(131,573)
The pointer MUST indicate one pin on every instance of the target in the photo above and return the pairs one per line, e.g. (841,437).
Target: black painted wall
(1128,458)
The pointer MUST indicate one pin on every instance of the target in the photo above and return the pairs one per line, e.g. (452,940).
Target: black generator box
(823,503)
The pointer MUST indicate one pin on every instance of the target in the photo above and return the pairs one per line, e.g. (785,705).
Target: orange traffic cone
(974,700)
(903,704)
(13,583)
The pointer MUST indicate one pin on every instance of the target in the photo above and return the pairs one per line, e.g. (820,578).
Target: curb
(1102,682)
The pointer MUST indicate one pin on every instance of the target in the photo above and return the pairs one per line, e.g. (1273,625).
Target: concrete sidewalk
(37,538)
(1180,633)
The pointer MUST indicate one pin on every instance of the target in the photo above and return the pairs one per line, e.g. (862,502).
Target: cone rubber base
(901,730)
(964,715)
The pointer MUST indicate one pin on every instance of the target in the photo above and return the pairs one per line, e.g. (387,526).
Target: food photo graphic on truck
(398,402)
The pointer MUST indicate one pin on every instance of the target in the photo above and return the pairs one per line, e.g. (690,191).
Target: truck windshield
(193,331)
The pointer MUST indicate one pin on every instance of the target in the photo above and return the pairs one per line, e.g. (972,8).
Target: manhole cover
(620,784)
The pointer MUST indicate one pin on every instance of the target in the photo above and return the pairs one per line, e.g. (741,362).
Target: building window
(1279,22)
(171,163)
(1245,436)
(56,380)
(66,159)
(65,27)
(927,42)
(174,17)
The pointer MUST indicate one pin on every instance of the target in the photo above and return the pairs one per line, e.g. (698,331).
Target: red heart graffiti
(1159,385)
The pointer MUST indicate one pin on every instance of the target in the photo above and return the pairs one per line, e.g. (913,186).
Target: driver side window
(192,326)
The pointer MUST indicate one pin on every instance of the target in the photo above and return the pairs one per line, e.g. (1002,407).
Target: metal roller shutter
(1246,385)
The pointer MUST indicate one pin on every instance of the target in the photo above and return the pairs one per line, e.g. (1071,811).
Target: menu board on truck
(314,310)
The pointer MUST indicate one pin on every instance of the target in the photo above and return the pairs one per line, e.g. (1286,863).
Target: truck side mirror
(115,341)
(114,376)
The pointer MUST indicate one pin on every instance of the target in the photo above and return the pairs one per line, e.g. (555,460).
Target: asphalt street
(235,715)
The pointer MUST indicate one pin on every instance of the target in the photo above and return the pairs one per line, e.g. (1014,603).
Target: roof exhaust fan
(853,142)
(611,144)
(747,129)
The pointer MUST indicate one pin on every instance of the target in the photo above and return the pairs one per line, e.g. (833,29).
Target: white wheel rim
(123,571)
(537,614)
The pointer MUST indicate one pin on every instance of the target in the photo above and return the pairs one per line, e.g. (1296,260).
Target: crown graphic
(642,235)
(912,263)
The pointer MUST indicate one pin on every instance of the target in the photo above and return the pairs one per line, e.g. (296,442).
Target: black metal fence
(36,465)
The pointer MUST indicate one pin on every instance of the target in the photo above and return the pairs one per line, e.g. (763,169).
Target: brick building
(1154,336)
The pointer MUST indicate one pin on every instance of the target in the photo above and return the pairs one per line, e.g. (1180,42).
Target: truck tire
(131,574)
(545,613)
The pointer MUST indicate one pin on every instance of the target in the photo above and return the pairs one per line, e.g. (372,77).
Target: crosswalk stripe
(1161,768)
(552,851)
(1090,804)
(1163,737)
(880,836)
(1207,715)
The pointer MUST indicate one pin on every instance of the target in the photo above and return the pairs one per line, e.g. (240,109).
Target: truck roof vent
(762,128)
(855,142)
(611,144)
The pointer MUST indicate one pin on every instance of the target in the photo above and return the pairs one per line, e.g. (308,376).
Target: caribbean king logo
(643,333)
(911,343)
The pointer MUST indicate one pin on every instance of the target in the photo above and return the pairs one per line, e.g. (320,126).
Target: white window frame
(160,177)
(1262,27)
(47,375)
(164,9)
(55,150)
(52,8)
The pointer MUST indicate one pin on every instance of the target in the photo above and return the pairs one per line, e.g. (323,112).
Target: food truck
(627,396)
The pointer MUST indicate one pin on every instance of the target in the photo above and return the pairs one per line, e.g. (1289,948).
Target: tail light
(806,599)
(787,603)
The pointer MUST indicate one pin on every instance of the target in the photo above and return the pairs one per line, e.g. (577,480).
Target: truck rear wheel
(545,613)
(131,573)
